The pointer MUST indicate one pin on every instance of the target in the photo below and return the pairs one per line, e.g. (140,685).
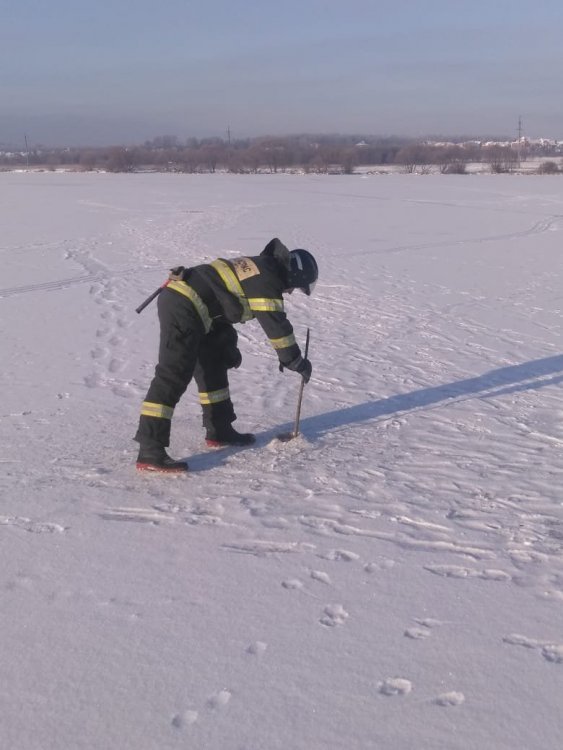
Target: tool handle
(301,386)
(152,296)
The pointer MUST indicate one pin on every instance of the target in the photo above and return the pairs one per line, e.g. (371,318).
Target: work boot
(158,460)
(228,436)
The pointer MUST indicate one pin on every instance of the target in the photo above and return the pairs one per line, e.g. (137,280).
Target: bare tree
(501,159)
(409,157)
(212,155)
(120,160)
(548,167)
(318,164)
(88,159)
(452,160)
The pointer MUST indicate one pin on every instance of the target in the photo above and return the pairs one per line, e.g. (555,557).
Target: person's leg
(180,334)
(211,376)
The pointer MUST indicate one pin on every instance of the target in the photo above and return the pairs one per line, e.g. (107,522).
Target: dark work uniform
(197,338)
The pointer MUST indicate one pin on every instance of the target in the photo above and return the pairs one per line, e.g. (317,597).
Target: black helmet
(303,271)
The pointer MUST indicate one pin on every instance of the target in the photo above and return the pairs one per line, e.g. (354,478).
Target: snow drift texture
(392,578)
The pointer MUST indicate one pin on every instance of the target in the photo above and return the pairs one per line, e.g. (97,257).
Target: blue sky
(129,70)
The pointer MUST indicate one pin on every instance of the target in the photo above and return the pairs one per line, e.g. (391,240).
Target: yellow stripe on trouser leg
(214,397)
(149,409)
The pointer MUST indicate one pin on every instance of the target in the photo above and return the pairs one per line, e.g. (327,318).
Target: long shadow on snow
(504,381)
(527,376)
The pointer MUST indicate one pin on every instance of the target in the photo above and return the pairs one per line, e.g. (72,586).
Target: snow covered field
(393,578)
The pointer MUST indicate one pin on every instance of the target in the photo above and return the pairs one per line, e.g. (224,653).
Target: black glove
(235,359)
(225,339)
(305,369)
(302,365)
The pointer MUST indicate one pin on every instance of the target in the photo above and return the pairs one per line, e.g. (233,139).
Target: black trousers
(185,352)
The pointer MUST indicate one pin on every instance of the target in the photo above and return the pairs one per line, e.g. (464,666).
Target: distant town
(328,154)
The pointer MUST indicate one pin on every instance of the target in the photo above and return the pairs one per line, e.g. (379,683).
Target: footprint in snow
(293,584)
(429,622)
(453,698)
(456,571)
(552,652)
(384,564)
(258,649)
(126,390)
(219,700)
(333,615)
(34,527)
(215,702)
(321,577)
(417,634)
(21,580)
(395,686)
(98,353)
(116,365)
(340,555)
(179,721)
(94,380)
(424,630)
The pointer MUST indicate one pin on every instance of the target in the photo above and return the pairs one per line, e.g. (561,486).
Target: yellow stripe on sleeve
(262,304)
(284,342)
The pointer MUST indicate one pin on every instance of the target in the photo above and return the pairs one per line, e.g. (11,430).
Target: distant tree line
(320,154)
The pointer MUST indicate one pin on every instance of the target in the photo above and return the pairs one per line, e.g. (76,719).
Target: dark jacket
(240,289)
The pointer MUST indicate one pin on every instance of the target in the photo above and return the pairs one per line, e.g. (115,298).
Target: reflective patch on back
(245,268)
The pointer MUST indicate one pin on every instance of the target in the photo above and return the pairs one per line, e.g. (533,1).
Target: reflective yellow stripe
(284,342)
(233,285)
(195,299)
(262,304)
(156,410)
(214,397)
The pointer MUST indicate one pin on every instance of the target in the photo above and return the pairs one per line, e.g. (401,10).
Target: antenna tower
(519,141)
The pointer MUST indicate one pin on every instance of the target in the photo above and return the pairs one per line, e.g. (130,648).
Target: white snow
(392,578)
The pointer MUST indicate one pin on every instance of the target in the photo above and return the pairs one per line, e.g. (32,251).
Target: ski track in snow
(423,430)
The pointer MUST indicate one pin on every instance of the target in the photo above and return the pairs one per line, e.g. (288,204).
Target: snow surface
(392,578)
